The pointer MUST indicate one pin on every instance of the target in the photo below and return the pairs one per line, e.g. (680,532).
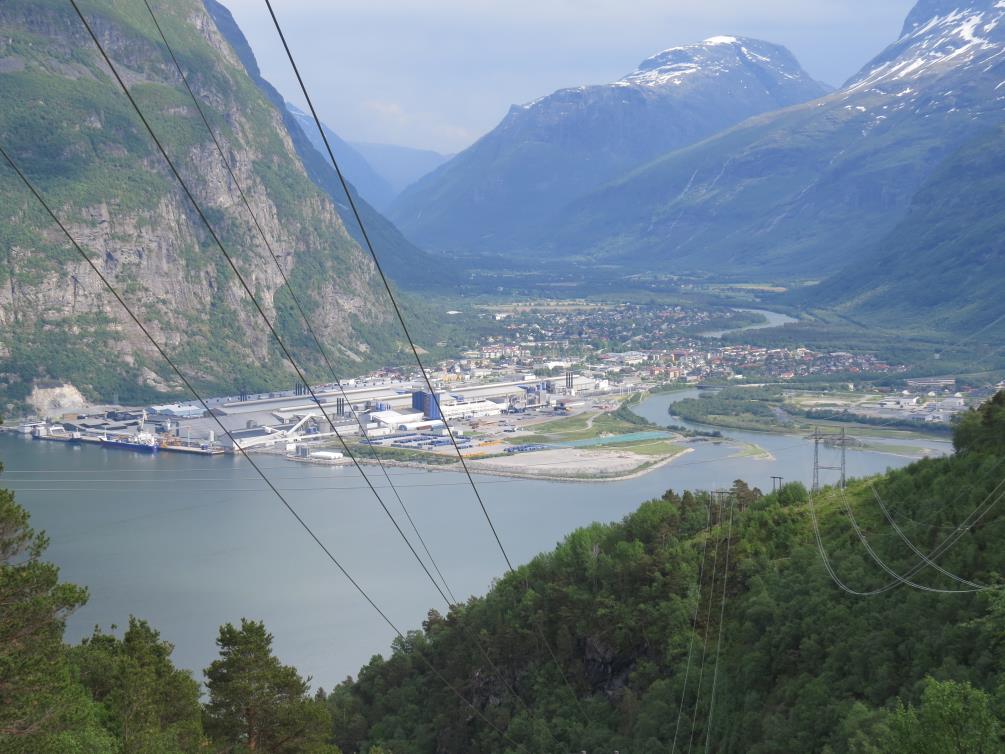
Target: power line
(818,467)
(694,630)
(247,288)
(264,317)
(708,624)
(882,564)
(900,532)
(965,525)
(296,299)
(356,585)
(722,618)
(384,280)
(923,559)
(411,341)
(899,579)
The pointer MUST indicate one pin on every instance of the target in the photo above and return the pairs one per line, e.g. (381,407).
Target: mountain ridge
(90,157)
(400,166)
(407,265)
(811,188)
(507,186)
(357,169)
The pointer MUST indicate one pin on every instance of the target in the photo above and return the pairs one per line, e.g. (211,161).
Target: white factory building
(470,410)
(413,420)
(390,420)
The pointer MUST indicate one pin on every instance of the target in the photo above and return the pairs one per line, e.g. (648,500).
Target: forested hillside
(802,665)
(701,621)
(945,260)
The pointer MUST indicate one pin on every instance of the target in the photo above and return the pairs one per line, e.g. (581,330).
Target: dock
(170,444)
(212,450)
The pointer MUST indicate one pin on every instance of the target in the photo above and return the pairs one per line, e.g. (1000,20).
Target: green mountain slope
(945,262)
(797,664)
(805,191)
(73,132)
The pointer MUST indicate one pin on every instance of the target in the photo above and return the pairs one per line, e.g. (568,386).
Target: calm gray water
(189,543)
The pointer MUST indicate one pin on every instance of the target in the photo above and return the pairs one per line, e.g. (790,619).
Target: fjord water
(189,543)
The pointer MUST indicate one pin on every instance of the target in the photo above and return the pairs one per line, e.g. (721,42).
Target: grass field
(582,427)
(660,448)
(365,453)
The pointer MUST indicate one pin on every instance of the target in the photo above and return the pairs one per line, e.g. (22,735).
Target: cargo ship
(144,442)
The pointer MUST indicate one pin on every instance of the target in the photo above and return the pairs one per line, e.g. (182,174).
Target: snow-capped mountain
(806,190)
(550,151)
(943,43)
(767,66)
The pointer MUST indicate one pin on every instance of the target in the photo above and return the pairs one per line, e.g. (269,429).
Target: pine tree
(258,704)
(149,705)
(41,708)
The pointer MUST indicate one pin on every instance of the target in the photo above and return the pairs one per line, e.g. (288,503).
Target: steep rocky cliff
(68,125)
(406,264)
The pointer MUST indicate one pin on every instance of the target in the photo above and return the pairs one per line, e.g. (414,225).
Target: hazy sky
(440,73)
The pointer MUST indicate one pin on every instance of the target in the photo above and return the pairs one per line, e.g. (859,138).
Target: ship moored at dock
(144,442)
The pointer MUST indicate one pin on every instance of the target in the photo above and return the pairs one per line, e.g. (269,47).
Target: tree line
(590,647)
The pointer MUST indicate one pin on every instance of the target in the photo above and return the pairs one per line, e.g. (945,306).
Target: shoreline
(876,431)
(511,473)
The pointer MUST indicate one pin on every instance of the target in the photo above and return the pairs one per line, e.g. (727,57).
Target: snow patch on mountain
(714,57)
(939,44)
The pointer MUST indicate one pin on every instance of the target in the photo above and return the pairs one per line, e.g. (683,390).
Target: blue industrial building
(424,402)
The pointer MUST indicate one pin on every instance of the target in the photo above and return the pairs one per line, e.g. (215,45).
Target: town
(664,343)
(553,384)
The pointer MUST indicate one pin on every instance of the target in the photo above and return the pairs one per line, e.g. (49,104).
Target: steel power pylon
(842,441)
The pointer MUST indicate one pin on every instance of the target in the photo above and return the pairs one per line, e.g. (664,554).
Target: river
(771,319)
(189,543)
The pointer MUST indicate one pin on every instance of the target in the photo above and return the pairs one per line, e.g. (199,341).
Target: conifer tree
(258,704)
(41,708)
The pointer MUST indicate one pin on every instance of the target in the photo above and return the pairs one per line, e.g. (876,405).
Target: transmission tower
(842,442)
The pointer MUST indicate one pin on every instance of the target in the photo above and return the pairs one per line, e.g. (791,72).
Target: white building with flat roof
(390,418)
(470,410)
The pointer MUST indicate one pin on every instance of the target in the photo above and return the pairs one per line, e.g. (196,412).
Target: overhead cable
(384,280)
(244,285)
(704,642)
(411,341)
(722,625)
(286,504)
(296,299)
(694,630)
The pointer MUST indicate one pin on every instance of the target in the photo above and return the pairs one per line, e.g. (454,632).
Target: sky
(438,74)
